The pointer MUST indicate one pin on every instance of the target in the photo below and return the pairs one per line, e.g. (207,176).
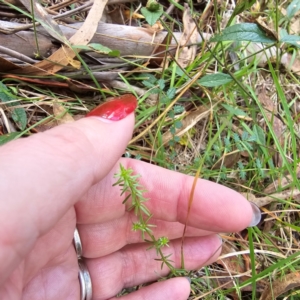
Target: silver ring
(85,282)
(77,243)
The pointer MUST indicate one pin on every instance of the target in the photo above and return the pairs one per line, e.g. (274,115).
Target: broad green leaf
(155,91)
(178,124)
(243,32)
(148,84)
(161,83)
(20,117)
(100,48)
(152,16)
(235,111)
(5,95)
(114,53)
(261,136)
(8,137)
(213,80)
(178,109)
(290,39)
(148,77)
(292,8)
(83,47)
(171,92)
(18,114)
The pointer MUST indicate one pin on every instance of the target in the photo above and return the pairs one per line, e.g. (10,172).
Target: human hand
(51,181)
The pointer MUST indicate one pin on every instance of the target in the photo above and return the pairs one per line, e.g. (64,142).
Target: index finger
(215,207)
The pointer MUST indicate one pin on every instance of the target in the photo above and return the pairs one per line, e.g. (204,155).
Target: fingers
(104,238)
(214,207)
(174,288)
(42,176)
(134,264)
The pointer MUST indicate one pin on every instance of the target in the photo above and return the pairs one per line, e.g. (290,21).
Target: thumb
(42,176)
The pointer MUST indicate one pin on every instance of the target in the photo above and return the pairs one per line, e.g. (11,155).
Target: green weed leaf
(178,109)
(171,93)
(18,114)
(82,47)
(178,124)
(152,16)
(235,110)
(290,39)
(243,32)
(161,83)
(213,80)
(98,48)
(148,84)
(114,53)
(20,117)
(259,132)
(292,9)
(149,77)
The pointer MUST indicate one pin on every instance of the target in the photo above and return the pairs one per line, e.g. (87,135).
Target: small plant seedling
(130,186)
(152,12)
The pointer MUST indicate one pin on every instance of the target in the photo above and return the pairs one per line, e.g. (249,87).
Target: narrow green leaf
(243,32)
(152,16)
(8,137)
(213,80)
(18,114)
(253,261)
(292,9)
(280,265)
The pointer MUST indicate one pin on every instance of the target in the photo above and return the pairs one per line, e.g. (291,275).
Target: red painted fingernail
(115,109)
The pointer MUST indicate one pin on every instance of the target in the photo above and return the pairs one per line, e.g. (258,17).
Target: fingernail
(115,109)
(256,214)
(220,238)
(189,279)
